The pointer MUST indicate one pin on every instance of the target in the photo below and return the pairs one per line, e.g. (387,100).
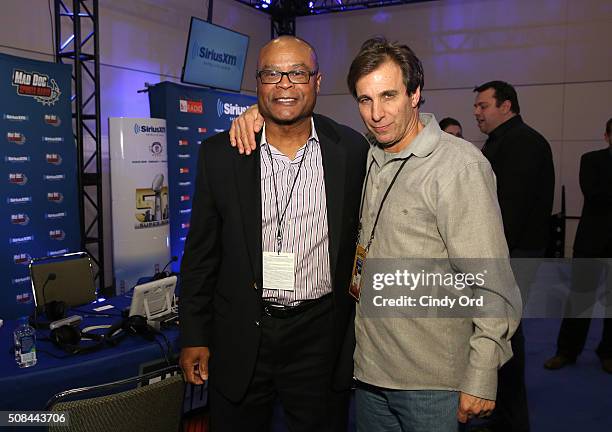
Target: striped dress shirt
(304,226)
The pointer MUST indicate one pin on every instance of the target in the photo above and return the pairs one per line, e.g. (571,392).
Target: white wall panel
(587,107)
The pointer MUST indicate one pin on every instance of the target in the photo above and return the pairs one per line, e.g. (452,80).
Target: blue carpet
(575,398)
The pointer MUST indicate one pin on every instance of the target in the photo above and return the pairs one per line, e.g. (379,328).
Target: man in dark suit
(264,307)
(593,240)
(522,161)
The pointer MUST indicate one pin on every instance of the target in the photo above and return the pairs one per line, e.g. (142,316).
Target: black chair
(156,404)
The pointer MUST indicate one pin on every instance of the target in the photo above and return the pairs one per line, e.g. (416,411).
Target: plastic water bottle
(25,344)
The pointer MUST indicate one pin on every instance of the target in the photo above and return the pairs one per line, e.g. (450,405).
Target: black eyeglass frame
(281,74)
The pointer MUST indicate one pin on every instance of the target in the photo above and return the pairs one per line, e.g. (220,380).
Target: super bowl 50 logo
(36,85)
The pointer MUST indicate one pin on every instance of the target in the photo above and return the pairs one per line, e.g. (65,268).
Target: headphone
(67,338)
(133,325)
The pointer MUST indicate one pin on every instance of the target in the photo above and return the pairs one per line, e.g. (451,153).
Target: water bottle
(25,344)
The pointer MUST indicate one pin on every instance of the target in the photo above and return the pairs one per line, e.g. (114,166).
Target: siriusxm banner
(139,196)
(192,115)
(39,211)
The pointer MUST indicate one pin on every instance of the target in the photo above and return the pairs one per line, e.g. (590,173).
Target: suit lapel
(334,169)
(248,183)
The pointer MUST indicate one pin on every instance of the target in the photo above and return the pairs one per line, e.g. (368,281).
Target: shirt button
(257,324)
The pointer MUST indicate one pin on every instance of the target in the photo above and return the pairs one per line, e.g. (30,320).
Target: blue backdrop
(38,176)
(192,114)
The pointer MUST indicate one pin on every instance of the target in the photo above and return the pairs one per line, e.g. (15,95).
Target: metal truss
(297,8)
(80,47)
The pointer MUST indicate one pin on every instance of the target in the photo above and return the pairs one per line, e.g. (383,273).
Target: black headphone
(68,339)
(133,325)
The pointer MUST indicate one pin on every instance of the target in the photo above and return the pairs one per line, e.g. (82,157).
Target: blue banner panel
(192,114)
(39,213)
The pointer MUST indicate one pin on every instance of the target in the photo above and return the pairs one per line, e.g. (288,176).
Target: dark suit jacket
(522,161)
(595,226)
(220,303)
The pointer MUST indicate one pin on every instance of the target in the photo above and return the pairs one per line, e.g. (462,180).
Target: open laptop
(67,278)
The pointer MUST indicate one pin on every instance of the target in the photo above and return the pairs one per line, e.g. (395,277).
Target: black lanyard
(279,217)
(382,203)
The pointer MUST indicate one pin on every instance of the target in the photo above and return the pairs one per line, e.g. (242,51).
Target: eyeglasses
(268,76)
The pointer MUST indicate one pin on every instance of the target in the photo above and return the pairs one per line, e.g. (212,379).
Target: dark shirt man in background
(522,161)
(264,305)
(593,240)
(451,126)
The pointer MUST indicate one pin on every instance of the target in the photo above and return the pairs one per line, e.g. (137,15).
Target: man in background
(451,126)
(522,161)
(593,240)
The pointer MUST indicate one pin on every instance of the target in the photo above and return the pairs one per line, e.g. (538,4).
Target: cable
(163,351)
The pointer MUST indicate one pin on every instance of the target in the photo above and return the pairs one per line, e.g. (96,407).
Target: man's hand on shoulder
(473,406)
(243,130)
(194,362)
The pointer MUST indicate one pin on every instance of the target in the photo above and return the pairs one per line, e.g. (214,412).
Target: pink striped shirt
(304,228)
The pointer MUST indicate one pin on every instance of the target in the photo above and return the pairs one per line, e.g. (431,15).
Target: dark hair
(449,121)
(376,51)
(503,92)
(609,127)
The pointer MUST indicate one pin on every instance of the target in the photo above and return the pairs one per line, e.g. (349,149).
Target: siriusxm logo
(19,200)
(15,117)
(148,129)
(21,280)
(17,159)
(229,109)
(57,252)
(18,240)
(210,54)
(58,215)
(54,177)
